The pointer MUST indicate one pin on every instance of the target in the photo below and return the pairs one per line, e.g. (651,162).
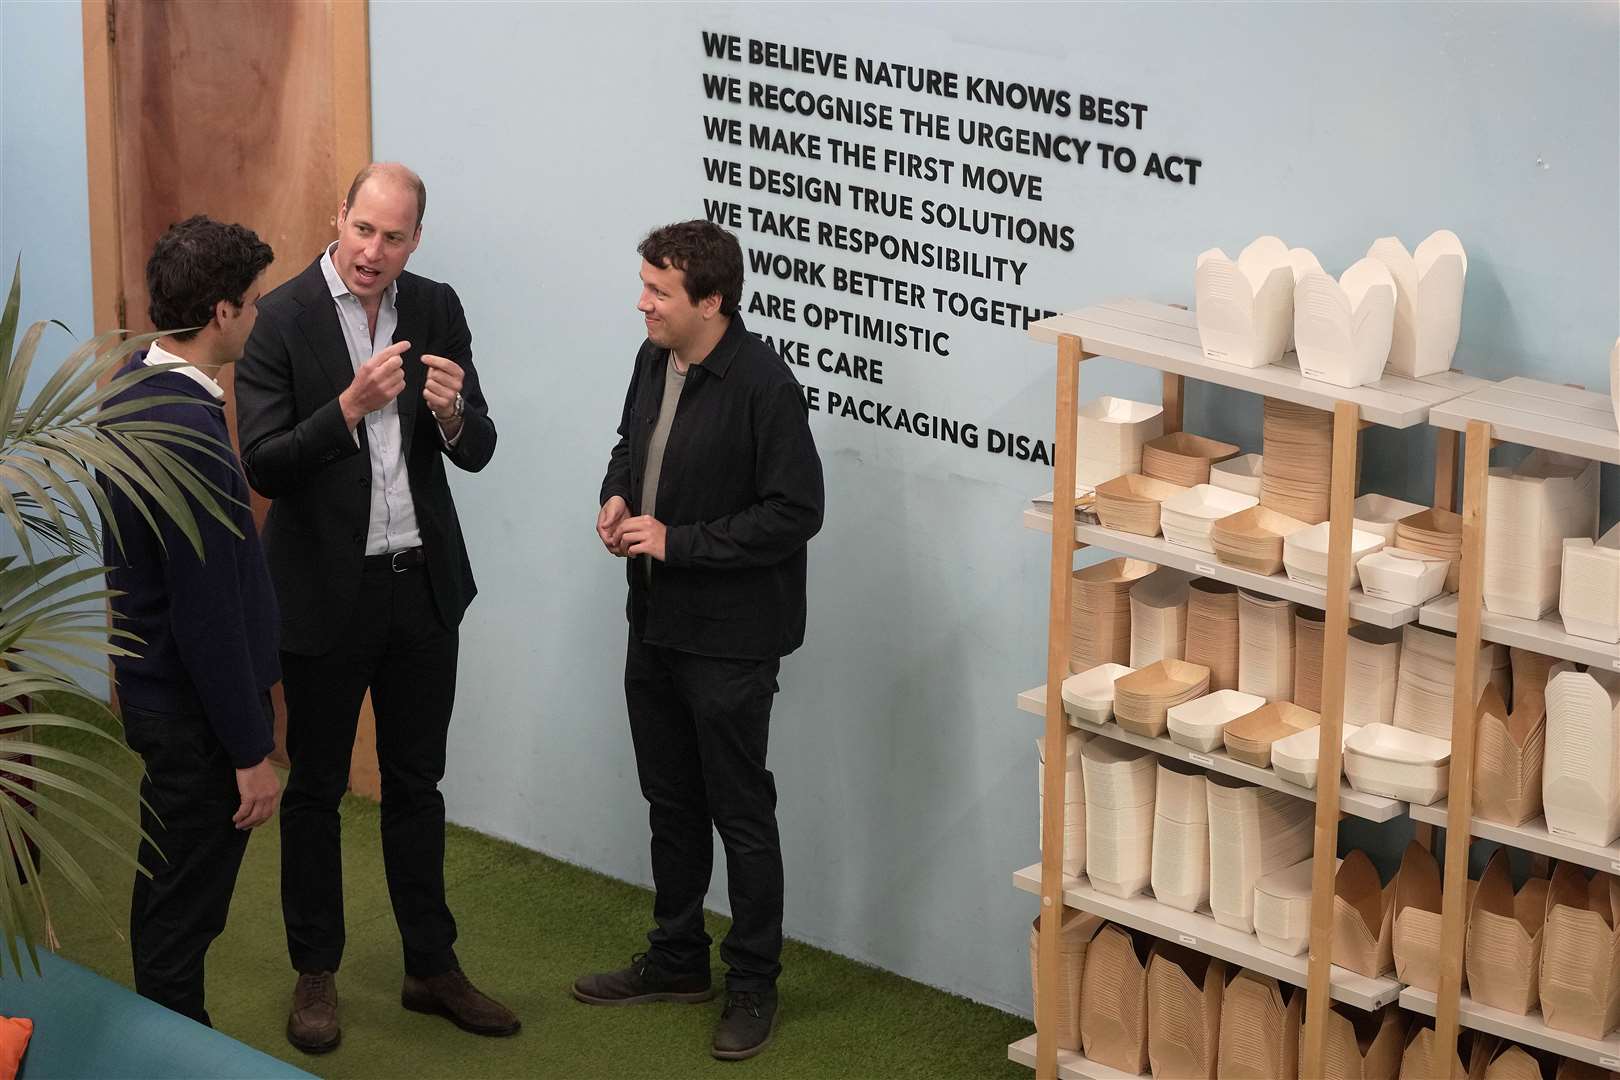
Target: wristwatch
(460,406)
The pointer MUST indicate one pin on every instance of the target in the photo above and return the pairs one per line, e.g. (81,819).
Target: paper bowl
(1090,694)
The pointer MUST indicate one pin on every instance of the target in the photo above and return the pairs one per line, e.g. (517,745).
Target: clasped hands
(624,535)
(381,378)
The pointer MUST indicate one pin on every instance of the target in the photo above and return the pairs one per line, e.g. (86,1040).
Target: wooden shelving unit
(1166,338)
(1567,421)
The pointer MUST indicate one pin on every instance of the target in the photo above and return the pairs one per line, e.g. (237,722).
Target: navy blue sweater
(209,626)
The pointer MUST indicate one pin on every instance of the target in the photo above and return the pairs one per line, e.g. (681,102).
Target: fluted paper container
(1253,832)
(1580,953)
(1182,458)
(1362,1046)
(1241,474)
(1113,1002)
(1428,301)
(1415,937)
(1245,306)
(1530,510)
(1184,992)
(1260,1029)
(1250,737)
(1090,694)
(1363,917)
(1503,951)
(1581,778)
(1131,503)
(1074,935)
(1265,647)
(1110,432)
(1142,699)
(1159,617)
(1343,329)
(1200,724)
(1282,909)
(1074,803)
(1589,588)
(1372,671)
(1510,750)
(1398,764)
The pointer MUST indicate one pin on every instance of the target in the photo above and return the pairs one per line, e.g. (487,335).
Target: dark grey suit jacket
(297,451)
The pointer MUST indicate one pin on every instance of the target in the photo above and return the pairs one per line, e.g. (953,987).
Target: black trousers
(190,796)
(396,645)
(701,726)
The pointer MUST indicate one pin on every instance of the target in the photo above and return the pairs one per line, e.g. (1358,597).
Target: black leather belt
(398,561)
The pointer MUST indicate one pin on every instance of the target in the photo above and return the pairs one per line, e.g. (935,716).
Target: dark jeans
(190,797)
(700,727)
(394,644)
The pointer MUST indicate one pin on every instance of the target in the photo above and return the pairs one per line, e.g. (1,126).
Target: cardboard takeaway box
(1508,756)
(1580,956)
(1260,1021)
(1363,917)
(1503,951)
(1074,936)
(1361,1045)
(1415,940)
(1113,1002)
(1185,990)
(1478,1049)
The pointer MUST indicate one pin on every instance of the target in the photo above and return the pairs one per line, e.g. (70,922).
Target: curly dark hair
(708,255)
(194,266)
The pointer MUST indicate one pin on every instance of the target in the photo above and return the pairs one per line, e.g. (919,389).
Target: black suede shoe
(640,983)
(747,1025)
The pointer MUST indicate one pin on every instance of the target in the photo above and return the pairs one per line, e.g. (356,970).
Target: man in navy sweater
(196,702)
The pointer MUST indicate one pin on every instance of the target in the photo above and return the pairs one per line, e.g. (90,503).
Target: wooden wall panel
(255,111)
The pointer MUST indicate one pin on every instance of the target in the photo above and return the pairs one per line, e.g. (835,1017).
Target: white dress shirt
(392,526)
(158,356)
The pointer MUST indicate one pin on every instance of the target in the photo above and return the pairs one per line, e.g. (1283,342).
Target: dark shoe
(452,995)
(747,1024)
(313,1024)
(640,983)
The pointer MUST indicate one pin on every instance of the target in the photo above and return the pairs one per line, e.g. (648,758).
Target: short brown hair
(708,255)
(399,172)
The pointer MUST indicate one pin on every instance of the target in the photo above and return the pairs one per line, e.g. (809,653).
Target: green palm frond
(57,451)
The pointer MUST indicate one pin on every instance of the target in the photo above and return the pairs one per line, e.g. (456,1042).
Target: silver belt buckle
(393,561)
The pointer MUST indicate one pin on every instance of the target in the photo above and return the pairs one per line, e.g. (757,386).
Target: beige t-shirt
(674,383)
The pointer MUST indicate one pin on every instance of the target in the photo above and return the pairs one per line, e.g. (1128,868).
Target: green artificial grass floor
(528,926)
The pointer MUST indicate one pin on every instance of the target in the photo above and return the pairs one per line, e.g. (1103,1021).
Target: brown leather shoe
(313,1025)
(452,995)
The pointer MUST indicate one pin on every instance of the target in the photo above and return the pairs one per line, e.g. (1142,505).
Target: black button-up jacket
(740,493)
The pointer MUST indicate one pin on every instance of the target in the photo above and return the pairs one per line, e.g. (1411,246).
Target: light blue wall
(553,136)
(44,207)
(44,213)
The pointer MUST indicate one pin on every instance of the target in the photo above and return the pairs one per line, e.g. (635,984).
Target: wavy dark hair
(194,266)
(708,255)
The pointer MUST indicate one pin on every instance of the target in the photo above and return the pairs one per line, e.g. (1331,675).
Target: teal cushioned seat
(86,1026)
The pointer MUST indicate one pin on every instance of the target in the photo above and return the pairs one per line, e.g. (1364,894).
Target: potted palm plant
(57,450)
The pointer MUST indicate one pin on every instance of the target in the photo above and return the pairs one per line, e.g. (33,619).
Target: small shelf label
(1200,759)
(1202,569)
(1609,1063)
(1187,939)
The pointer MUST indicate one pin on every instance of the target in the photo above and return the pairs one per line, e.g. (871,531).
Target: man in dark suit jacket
(356,386)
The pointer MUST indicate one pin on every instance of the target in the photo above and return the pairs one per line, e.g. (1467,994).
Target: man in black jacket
(195,702)
(712,493)
(357,386)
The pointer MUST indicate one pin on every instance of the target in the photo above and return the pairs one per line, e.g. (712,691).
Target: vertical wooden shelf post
(1460,799)
(1346,433)
(1070,355)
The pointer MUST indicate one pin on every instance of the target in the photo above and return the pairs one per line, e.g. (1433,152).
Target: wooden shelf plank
(1166,338)
(1202,932)
(1072,1065)
(1351,801)
(1158,550)
(1534,413)
(1531,836)
(1545,636)
(1530,1030)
